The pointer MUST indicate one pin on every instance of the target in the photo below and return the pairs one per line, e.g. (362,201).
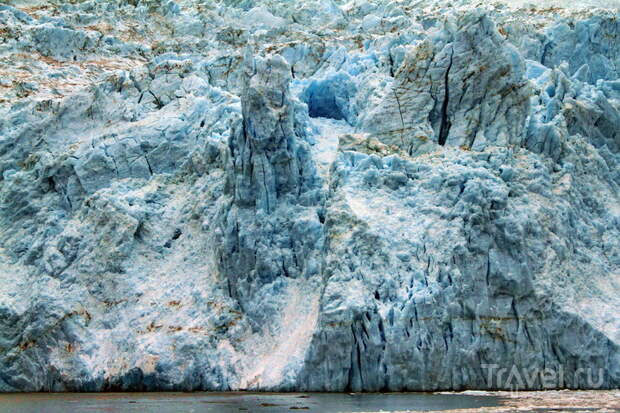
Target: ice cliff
(310,195)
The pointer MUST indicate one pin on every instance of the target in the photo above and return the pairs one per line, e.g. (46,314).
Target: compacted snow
(310,195)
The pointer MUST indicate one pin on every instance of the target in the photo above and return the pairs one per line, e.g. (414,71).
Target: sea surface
(238,402)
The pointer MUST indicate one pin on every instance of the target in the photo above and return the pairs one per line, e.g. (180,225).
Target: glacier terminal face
(316,195)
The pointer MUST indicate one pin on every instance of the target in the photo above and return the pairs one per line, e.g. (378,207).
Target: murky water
(238,402)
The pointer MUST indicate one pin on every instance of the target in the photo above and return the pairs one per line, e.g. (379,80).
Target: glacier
(316,195)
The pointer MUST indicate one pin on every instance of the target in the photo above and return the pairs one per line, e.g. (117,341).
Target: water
(238,402)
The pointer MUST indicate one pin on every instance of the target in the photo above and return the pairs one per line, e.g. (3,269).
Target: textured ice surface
(310,195)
